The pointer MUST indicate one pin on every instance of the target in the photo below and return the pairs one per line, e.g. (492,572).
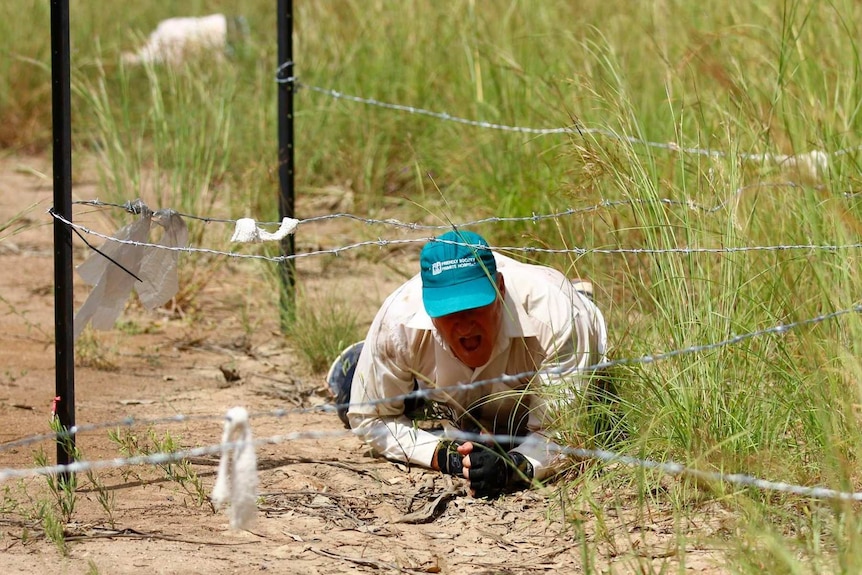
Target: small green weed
(104,496)
(180,472)
(91,352)
(54,515)
(62,489)
(9,504)
(31,326)
(53,526)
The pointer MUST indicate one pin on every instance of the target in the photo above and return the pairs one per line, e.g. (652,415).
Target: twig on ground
(134,534)
(432,509)
(340,464)
(366,562)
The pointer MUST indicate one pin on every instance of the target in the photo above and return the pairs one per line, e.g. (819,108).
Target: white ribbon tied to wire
(117,268)
(247,231)
(236,484)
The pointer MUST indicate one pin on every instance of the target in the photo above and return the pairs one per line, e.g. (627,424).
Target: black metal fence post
(64,342)
(287,269)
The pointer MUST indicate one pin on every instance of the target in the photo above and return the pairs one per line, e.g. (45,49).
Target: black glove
(492,472)
(448,459)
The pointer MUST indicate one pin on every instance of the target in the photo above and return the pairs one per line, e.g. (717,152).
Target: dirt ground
(325,505)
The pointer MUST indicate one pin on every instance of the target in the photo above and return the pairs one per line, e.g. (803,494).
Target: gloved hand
(448,459)
(491,472)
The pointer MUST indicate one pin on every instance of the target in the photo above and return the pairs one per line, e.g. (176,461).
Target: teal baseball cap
(458,273)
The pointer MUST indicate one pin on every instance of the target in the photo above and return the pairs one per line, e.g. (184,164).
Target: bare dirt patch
(326,505)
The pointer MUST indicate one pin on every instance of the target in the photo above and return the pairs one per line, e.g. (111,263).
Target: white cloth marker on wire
(236,484)
(247,231)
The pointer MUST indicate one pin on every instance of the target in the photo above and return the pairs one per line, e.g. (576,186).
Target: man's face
(471,334)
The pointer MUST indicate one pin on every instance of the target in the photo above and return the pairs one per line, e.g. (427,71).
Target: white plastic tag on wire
(247,231)
(236,482)
(117,268)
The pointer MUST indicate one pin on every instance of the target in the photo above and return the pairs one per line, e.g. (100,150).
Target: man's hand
(448,460)
(491,472)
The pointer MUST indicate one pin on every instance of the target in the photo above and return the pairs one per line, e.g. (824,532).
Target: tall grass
(735,77)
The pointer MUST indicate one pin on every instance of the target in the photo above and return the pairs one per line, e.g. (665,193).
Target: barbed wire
(156,458)
(507,249)
(132,208)
(576,129)
(671,468)
(85,428)
(429,393)
(532,218)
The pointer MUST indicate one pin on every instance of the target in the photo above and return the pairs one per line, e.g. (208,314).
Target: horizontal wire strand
(668,467)
(508,249)
(567,130)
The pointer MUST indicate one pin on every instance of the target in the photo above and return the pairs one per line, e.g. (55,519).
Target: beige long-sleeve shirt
(547,325)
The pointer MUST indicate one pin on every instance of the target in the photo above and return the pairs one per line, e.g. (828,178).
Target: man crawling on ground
(453,331)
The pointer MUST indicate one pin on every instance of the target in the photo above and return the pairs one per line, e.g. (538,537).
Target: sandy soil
(326,505)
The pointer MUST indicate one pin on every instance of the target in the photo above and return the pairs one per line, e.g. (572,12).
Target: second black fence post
(287,269)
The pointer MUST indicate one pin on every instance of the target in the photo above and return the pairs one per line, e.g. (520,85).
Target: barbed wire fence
(381,242)
(606,456)
(815,161)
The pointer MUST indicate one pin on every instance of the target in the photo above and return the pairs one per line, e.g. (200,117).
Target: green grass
(322,330)
(737,77)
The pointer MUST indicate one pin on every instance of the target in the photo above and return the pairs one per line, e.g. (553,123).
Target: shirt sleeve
(545,455)
(396,438)
(376,414)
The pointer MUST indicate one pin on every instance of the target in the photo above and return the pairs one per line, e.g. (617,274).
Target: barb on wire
(84,428)
(780,329)
(135,422)
(741,479)
(677,469)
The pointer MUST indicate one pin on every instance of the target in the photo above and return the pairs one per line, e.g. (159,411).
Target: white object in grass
(813,164)
(175,39)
